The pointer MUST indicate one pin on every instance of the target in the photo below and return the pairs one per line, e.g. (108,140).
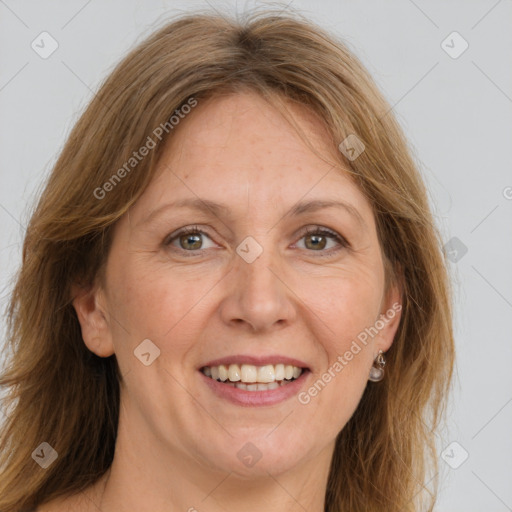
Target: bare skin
(178,441)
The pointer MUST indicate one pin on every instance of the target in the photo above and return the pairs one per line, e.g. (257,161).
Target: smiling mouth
(254,378)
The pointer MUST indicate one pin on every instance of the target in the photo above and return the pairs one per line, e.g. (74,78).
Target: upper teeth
(250,373)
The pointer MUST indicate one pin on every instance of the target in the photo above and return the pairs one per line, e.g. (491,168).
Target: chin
(250,456)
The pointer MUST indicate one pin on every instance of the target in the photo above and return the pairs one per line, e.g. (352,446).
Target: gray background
(456,113)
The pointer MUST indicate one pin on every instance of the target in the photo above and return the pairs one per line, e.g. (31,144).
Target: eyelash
(317,230)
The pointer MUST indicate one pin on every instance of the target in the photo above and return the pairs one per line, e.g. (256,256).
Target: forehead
(240,148)
(247,128)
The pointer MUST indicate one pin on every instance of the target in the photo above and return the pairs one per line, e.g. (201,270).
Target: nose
(257,296)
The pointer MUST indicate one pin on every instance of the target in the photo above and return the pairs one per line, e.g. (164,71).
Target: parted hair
(57,391)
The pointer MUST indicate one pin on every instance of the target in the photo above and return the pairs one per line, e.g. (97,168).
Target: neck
(148,477)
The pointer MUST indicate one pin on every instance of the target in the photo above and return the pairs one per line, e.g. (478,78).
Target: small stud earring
(377,372)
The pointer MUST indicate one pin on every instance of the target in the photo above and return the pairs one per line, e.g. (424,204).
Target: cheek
(162,303)
(344,310)
(342,319)
(345,306)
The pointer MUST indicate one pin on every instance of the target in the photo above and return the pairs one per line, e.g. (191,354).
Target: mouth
(249,377)
(249,380)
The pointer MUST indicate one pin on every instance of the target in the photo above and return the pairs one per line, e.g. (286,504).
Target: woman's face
(248,286)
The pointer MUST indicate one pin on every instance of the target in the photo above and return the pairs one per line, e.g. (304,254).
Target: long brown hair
(61,393)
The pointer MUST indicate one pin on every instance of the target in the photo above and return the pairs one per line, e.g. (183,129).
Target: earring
(377,372)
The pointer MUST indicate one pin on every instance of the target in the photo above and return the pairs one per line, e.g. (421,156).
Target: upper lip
(256,360)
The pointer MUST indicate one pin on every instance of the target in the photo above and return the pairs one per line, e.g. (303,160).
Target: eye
(317,238)
(188,239)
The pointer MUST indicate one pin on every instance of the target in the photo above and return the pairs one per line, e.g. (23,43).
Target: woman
(232,294)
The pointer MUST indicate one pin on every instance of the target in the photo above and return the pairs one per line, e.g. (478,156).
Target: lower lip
(256,398)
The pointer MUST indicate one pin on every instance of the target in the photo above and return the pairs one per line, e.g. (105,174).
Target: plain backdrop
(454,103)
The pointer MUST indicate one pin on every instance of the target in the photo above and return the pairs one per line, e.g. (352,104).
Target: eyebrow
(220,210)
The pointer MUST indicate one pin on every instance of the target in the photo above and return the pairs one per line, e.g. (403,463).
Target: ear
(391,312)
(92,316)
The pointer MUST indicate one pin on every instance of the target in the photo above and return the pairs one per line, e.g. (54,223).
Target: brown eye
(316,240)
(193,239)
(188,240)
